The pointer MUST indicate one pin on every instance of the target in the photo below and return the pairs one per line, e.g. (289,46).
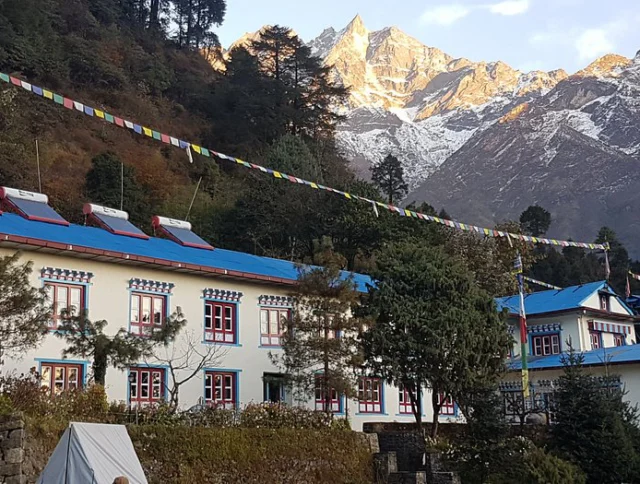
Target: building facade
(233,301)
(590,318)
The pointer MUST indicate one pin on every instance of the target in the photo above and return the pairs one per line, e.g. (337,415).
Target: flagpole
(523,328)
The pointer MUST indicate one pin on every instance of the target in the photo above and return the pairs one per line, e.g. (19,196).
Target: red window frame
(596,339)
(369,395)
(618,339)
(146,385)
(54,292)
(404,401)
(604,302)
(220,322)
(145,313)
(545,344)
(220,388)
(60,377)
(271,331)
(320,400)
(448,406)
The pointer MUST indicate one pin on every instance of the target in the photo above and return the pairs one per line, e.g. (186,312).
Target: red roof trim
(131,257)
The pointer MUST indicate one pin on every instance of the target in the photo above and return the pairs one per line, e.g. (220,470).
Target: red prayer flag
(165,138)
(68,103)
(119,122)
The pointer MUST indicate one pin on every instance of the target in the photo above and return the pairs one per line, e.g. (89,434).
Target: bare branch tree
(185,358)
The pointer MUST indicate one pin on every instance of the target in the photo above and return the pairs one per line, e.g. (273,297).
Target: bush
(25,393)
(263,455)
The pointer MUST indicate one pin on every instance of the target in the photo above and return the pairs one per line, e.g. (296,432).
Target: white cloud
(509,7)
(593,43)
(445,14)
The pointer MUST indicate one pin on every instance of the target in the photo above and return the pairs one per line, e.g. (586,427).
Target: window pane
(73,378)
(228,387)
(218,316)
(207,387)
(144,384)
(46,376)
(59,379)
(133,384)
(208,320)
(228,318)
(61,299)
(157,384)
(158,310)
(273,323)
(135,309)
(218,387)
(146,309)
(76,300)
(264,321)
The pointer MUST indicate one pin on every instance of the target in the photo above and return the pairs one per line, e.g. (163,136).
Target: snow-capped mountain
(414,101)
(574,150)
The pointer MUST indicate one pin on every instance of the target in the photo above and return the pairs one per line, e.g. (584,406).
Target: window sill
(270,347)
(220,343)
(370,413)
(408,415)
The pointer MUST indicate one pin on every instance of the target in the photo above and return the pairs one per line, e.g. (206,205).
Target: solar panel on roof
(179,231)
(32,206)
(115,221)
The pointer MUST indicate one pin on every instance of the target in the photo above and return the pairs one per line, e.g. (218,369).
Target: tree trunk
(415,396)
(436,412)
(154,14)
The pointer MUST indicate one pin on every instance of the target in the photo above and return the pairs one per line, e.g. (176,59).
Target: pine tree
(535,221)
(428,310)
(389,176)
(105,182)
(24,311)
(87,339)
(320,353)
(594,427)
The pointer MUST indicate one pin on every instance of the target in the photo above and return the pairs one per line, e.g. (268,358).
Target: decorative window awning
(153,286)
(222,295)
(609,327)
(545,328)
(280,301)
(66,275)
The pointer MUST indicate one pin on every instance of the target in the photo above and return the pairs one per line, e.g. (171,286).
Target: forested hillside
(272,103)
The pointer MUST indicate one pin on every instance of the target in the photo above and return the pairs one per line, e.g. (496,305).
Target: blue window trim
(236,321)
(86,286)
(147,365)
(236,390)
(410,414)
(269,306)
(544,333)
(167,305)
(382,400)
(455,413)
(83,363)
(283,395)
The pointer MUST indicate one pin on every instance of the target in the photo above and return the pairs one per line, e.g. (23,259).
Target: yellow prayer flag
(348,196)
(99,113)
(277,174)
(147,132)
(47,94)
(196,148)
(313,185)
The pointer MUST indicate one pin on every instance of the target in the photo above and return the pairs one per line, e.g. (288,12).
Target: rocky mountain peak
(357,26)
(610,65)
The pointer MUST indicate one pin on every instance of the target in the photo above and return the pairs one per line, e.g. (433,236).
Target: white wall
(108,299)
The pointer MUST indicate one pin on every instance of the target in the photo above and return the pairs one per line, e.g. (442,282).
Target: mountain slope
(417,101)
(573,151)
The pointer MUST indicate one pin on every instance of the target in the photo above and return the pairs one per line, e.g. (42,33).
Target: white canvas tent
(93,454)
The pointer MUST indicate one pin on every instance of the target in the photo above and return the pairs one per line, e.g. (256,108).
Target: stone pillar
(11,449)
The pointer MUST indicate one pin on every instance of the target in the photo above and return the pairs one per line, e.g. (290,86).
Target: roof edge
(73,250)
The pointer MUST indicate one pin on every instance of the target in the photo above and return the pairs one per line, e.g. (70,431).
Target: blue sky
(526,34)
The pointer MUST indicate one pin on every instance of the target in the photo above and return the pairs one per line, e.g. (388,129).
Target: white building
(133,281)
(592,319)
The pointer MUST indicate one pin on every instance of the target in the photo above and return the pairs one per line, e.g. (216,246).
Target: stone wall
(12,449)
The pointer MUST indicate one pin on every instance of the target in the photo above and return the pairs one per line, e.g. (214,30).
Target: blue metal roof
(96,238)
(553,300)
(617,354)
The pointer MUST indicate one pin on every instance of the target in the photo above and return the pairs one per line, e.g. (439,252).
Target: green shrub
(6,407)
(187,455)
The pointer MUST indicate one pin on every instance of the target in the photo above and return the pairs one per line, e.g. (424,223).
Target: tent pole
(66,467)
